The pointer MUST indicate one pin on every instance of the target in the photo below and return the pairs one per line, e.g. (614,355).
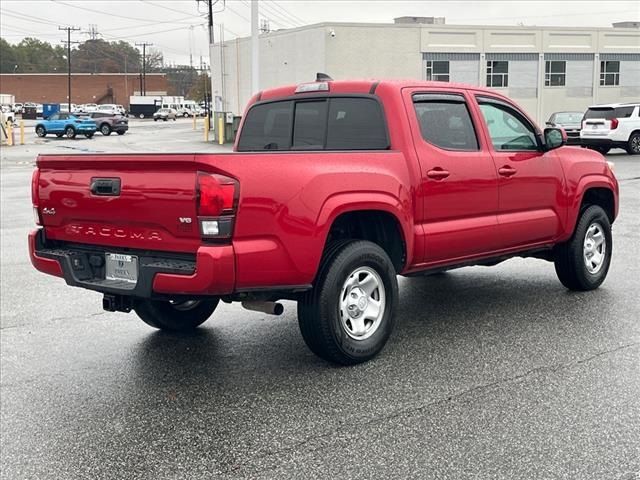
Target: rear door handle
(507,171)
(438,174)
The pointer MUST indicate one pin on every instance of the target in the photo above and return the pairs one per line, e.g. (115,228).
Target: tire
(602,150)
(326,325)
(633,145)
(41,131)
(88,135)
(165,119)
(70,132)
(576,261)
(141,116)
(105,129)
(120,132)
(175,317)
(155,119)
(59,135)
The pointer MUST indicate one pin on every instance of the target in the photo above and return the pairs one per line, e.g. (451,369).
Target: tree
(201,86)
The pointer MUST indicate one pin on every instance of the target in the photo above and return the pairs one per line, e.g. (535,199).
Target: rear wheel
(70,132)
(633,146)
(141,116)
(348,316)
(582,263)
(41,131)
(176,316)
(105,129)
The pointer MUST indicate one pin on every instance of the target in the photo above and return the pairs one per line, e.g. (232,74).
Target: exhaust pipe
(270,308)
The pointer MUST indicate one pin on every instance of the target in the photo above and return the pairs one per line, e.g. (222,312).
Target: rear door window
(445,121)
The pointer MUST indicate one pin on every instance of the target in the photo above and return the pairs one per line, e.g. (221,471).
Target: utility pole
(255,48)
(69,30)
(143,80)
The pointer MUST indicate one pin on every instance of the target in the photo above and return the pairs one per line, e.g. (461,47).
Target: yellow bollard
(21,132)
(206,129)
(220,131)
(9,134)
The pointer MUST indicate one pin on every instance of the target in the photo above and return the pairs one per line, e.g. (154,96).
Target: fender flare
(346,202)
(585,183)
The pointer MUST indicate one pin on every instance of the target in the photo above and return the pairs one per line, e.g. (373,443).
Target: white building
(544,69)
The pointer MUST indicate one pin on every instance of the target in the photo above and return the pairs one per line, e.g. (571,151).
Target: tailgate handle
(105,186)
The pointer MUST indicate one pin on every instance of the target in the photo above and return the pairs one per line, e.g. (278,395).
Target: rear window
(334,123)
(609,113)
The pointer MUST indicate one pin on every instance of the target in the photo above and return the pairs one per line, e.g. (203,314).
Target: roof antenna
(323,77)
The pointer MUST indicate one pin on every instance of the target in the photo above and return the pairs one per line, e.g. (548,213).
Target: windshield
(568,117)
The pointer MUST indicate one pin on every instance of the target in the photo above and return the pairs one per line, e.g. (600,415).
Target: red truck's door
(530,180)
(459,185)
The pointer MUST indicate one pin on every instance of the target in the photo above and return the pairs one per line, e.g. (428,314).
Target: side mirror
(554,138)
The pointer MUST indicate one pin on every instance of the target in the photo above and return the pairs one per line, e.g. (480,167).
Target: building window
(497,73)
(555,73)
(610,73)
(438,71)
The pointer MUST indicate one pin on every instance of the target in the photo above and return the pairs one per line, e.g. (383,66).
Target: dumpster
(30,113)
(49,109)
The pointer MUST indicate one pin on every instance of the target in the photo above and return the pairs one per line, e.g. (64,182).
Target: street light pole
(69,30)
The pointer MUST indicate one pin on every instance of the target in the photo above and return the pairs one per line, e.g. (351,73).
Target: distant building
(544,69)
(85,87)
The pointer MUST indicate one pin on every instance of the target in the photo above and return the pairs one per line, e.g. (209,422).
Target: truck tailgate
(143,202)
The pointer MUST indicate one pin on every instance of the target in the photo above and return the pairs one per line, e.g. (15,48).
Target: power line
(287,12)
(111,14)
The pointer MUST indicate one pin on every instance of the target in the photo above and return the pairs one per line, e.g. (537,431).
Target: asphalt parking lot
(491,373)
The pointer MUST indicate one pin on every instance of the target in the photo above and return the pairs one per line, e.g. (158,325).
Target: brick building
(85,87)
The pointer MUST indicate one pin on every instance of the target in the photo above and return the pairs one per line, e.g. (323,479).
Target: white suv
(612,126)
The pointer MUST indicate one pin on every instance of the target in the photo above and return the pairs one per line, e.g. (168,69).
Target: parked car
(90,107)
(39,109)
(108,123)
(165,114)
(8,114)
(612,126)
(64,108)
(18,108)
(406,178)
(570,122)
(111,108)
(66,124)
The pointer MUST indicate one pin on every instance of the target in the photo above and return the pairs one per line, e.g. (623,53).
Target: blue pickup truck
(66,124)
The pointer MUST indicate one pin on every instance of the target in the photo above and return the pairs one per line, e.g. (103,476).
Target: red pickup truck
(333,189)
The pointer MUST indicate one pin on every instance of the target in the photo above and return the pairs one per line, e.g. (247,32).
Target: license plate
(121,267)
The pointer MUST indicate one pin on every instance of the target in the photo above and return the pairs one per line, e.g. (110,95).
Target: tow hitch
(117,303)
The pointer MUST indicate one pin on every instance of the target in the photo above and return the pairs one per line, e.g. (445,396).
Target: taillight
(614,123)
(35,180)
(217,204)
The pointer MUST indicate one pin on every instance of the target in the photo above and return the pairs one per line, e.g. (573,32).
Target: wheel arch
(594,190)
(379,219)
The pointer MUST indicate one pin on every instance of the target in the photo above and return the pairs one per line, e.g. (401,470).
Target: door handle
(507,171)
(107,187)
(438,174)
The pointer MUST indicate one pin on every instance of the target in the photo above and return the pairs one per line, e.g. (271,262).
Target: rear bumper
(211,272)
(601,142)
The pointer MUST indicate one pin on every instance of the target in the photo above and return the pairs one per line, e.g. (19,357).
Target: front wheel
(105,129)
(582,263)
(40,131)
(173,315)
(348,316)
(633,146)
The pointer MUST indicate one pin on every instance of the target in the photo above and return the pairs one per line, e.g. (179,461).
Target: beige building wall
(352,50)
